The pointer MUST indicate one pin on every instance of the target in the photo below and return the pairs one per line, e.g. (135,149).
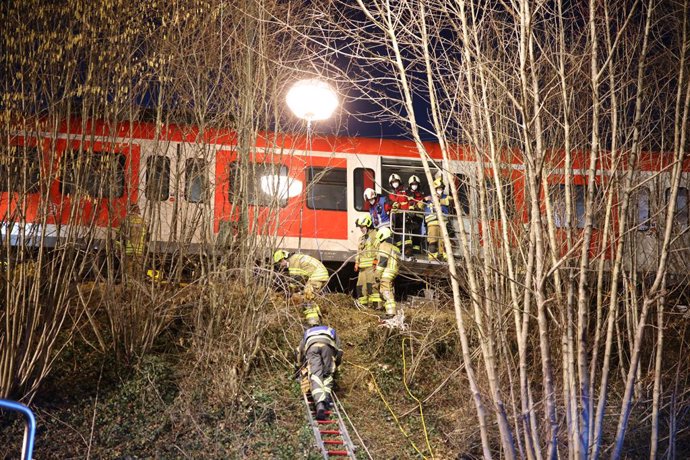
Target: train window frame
(256,196)
(681,214)
(29,174)
(580,196)
(85,181)
(199,179)
(359,176)
(643,211)
(320,178)
(157,186)
(464,190)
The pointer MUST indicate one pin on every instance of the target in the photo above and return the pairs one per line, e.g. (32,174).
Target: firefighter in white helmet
(400,205)
(379,209)
(415,219)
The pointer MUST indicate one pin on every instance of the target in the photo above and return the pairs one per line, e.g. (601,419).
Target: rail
(29,425)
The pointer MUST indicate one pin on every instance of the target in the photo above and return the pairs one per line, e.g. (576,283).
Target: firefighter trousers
(367,290)
(320,367)
(388,292)
(436,247)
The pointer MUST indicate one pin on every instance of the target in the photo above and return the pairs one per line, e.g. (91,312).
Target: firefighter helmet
(279,255)
(369,194)
(393,177)
(364,221)
(413,180)
(383,234)
(438,183)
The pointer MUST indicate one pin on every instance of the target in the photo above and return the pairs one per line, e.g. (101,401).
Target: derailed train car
(76,182)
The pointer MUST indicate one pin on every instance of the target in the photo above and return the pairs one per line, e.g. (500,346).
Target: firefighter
(311,273)
(386,270)
(400,204)
(365,264)
(133,236)
(436,248)
(320,354)
(414,221)
(379,209)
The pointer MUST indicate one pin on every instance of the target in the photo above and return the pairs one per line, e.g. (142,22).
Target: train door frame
(354,162)
(202,225)
(159,213)
(470,221)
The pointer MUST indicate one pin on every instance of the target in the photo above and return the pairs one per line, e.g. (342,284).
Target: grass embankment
(168,405)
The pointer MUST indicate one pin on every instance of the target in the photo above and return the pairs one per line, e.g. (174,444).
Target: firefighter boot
(321,411)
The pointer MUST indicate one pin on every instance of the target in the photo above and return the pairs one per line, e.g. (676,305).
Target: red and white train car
(60,184)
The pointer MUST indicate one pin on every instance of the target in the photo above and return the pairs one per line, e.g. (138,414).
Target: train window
(363,178)
(157,178)
(681,215)
(325,187)
(20,170)
(643,214)
(196,180)
(97,174)
(492,206)
(267,184)
(463,183)
(579,196)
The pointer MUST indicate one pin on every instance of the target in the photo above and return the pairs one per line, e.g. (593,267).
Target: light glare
(312,99)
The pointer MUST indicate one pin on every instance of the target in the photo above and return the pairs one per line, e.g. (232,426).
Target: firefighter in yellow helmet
(133,237)
(309,272)
(365,264)
(388,256)
(435,243)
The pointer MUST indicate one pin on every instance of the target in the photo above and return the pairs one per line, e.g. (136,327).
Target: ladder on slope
(331,434)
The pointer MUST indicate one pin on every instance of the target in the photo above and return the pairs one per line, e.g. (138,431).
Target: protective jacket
(415,199)
(134,235)
(389,257)
(399,199)
(320,335)
(306,268)
(430,214)
(380,212)
(366,253)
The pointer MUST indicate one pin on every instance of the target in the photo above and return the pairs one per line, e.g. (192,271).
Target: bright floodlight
(312,99)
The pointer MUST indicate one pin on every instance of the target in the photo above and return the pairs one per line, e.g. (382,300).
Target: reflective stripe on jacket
(399,196)
(307,267)
(389,258)
(320,334)
(429,213)
(366,252)
(135,234)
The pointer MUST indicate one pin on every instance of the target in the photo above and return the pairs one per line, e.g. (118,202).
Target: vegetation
(567,324)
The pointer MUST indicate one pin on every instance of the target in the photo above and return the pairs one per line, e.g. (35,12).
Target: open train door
(462,175)
(363,171)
